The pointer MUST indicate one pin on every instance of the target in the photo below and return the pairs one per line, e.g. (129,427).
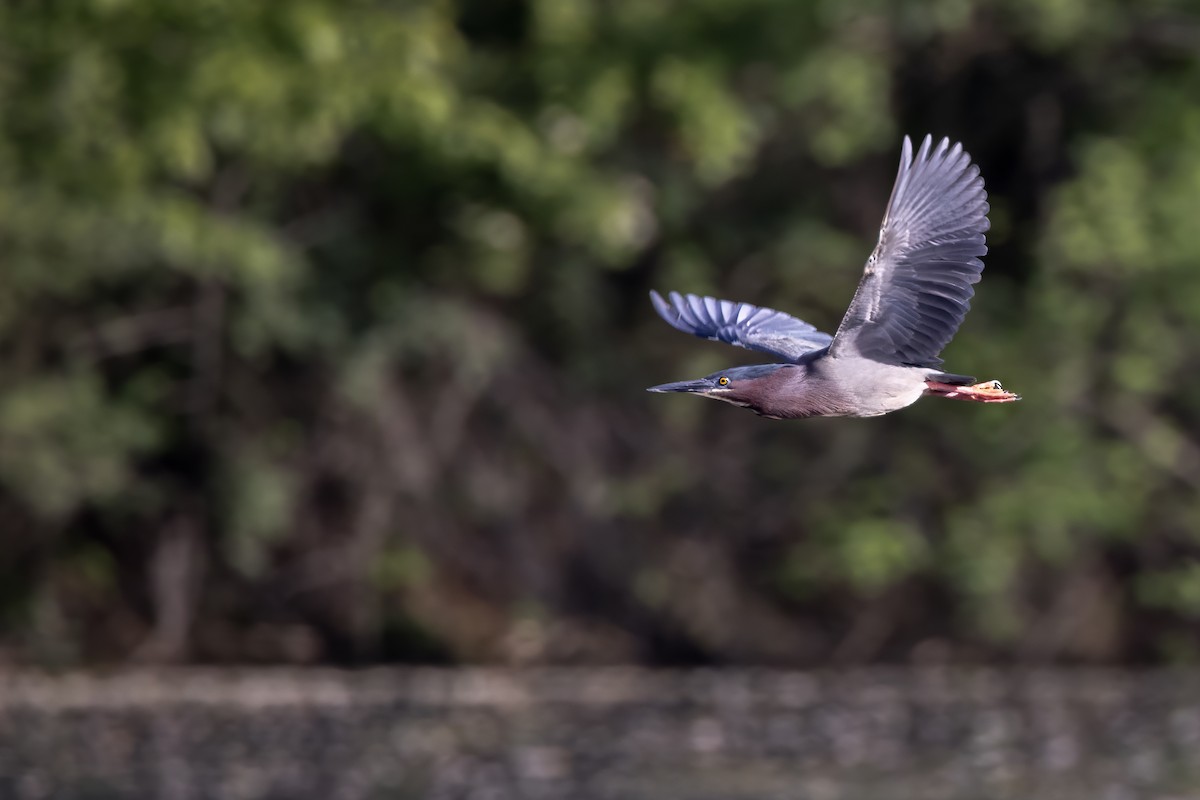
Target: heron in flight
(915,290)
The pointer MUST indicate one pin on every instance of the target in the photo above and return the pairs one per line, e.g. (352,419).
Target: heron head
(750,387)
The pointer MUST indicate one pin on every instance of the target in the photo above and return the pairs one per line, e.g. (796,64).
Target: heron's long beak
(683,386)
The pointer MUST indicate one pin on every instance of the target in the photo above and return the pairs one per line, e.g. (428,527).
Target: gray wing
(741,324)
(917,285)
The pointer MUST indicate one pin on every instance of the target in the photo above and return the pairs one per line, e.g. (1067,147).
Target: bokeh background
(324,333)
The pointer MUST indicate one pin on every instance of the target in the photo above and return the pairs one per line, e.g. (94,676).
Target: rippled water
(270,735)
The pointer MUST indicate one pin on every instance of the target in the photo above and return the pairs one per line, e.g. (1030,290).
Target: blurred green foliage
(323,332)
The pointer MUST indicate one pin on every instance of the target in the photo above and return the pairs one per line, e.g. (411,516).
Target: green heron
(915,290)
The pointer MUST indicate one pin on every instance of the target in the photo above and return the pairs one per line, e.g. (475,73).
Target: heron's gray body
(822,386)
(915,291)
(848,390)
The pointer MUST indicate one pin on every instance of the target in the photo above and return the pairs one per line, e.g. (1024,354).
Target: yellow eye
(723,380)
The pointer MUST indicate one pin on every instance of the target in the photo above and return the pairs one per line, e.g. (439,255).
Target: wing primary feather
(918,282)
(741,324)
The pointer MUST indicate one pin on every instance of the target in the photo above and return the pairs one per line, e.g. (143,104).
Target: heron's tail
(950,378)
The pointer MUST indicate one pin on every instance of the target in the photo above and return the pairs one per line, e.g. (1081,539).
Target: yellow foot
(986,392)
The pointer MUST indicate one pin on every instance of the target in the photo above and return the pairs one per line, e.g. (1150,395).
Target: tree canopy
(324,330)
